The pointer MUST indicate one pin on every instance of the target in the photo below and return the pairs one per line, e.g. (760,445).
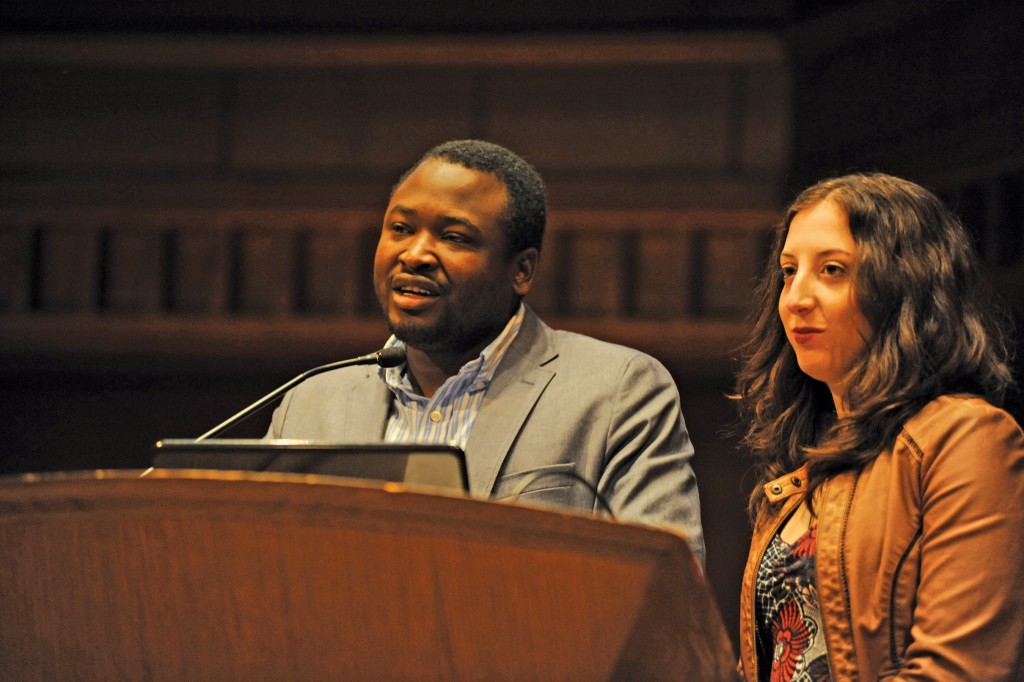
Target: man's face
(442,273)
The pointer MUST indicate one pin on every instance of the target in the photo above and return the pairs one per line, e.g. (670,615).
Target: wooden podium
(191,575)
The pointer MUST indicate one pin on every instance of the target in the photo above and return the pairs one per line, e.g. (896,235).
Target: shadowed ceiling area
(408,16)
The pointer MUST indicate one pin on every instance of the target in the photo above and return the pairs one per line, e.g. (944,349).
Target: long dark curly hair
(917,282)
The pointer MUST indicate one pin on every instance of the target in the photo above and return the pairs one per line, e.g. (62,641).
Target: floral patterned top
(789,630)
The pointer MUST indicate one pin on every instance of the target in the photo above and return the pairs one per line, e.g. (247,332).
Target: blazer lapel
(366,416)
(516,387)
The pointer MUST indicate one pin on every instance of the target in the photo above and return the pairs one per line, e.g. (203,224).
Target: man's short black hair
(526,212)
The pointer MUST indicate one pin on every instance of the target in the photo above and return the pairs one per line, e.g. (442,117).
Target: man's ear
(524,268)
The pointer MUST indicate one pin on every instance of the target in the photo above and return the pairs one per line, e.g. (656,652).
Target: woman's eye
(834,269)
(787,271)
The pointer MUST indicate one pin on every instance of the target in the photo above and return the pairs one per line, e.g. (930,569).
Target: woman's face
(818,306)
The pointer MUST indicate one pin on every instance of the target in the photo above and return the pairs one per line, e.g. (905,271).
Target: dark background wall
(189,194)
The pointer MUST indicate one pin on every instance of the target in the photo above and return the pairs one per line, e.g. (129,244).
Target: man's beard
(447,335)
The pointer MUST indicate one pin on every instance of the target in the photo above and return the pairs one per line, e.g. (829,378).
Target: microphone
(385,357)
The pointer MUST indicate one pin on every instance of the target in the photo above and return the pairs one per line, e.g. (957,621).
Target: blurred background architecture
(190,192)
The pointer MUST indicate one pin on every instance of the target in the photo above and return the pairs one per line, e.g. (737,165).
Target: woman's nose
(798,296)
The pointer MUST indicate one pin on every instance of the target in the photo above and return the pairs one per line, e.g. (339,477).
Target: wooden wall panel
(296,120)
(347,119)
(596,274)
(84,119)
(68,270)
(661,120)
(733,263)
(200,280)
(591,119)
(134,272)
(663,287)
(550,292)
(766,112)
(331,258)
(16,257)
(265,277)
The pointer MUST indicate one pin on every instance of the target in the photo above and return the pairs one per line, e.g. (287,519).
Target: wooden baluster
(199,276)
(266,265)
(662,286)
(69,269)
(16,267)
(134,270)
(334,263)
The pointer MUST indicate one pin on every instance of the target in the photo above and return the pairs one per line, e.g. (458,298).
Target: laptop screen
(415,464)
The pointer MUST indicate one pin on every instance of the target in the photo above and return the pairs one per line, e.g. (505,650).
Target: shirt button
(797,482)
(776,489)
(435,416)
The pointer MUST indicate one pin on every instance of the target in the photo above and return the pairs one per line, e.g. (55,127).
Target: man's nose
(419,252)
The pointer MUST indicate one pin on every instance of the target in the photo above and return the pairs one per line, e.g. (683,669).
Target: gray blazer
(561,404)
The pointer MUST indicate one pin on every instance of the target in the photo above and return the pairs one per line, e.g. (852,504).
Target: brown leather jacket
(920,556)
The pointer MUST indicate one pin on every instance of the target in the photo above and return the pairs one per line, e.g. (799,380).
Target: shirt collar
(481,368)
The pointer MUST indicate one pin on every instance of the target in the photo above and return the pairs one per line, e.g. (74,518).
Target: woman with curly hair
(889,512)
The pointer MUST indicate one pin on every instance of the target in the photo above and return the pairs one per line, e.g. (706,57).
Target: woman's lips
(805,334)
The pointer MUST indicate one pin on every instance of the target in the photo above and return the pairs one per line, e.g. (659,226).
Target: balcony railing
(258,283)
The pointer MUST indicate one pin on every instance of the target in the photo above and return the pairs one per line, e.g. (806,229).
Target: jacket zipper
(817,586)
(753,593)
(842,568)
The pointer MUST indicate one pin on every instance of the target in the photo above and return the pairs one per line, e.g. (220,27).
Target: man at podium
(544,416)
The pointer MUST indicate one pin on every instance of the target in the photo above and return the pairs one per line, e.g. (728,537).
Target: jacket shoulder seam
(916,450)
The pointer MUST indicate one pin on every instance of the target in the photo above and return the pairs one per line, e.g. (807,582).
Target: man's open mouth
(415,291)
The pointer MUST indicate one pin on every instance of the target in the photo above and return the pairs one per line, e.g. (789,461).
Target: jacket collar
(520,380)
(794,483)
(518,383)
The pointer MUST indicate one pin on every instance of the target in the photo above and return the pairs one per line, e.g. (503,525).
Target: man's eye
(400,228)
(456,238)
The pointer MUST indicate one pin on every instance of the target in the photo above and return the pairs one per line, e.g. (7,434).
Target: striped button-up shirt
(447,417)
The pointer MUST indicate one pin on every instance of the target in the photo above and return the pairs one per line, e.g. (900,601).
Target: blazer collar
(518,383)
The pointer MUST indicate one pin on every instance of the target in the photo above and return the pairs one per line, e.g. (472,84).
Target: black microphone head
(391,357)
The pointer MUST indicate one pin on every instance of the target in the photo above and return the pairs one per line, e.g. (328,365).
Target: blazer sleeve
(647,476)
